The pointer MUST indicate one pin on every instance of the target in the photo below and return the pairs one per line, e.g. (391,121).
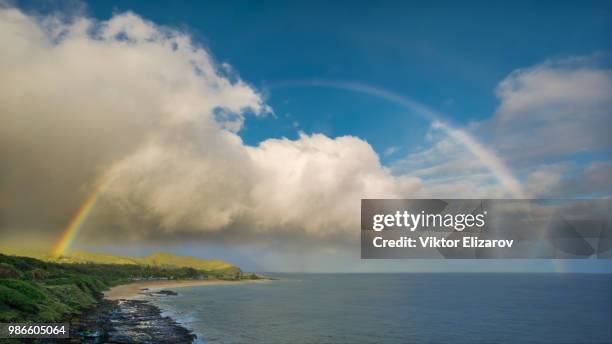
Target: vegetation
(45,291)
(158,259)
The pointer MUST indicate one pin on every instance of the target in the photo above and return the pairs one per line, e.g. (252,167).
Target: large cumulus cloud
(311,185)
(146,107)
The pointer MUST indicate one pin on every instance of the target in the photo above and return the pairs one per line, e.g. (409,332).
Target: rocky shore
(127,321)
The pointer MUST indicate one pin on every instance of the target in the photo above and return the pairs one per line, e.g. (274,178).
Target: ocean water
(400,308)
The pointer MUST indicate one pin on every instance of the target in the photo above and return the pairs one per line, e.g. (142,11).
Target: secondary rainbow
(74,226)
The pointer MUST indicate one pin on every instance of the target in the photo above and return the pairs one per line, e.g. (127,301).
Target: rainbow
(487,157)
(74,226)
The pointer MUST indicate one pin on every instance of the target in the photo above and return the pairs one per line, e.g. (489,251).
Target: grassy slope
(33,290)
(43,291)
(166,259)
(158,259)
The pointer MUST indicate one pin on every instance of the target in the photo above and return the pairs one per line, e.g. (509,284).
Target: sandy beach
(134,291)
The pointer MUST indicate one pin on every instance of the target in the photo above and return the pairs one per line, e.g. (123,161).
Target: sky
(249,131)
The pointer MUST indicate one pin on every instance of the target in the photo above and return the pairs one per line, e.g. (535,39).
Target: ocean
(400,308)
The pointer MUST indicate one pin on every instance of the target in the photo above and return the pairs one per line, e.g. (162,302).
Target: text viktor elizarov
(435,242)
(422,220)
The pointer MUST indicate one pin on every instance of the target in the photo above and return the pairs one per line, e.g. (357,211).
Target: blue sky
(477,99)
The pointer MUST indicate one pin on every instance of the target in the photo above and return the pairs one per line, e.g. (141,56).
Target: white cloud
(79,95)
(312,185)
(545,178)
(599,175)
(144,104)
(391,150)
(568,179)
(449,170)
(547,113)
(553,109)
(317,182)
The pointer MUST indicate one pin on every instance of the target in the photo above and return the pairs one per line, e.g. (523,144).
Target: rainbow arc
(76,222)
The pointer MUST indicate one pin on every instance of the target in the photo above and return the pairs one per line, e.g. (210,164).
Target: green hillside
(50,290)
(158,259)
(166,259)
(35,290)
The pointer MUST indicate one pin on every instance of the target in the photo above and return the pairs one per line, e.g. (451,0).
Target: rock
(130,322)
(167,292)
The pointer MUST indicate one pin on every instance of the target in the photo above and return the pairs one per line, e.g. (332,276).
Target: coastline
(141,289)
(125,314)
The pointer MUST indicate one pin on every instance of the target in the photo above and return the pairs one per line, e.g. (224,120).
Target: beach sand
(134,291)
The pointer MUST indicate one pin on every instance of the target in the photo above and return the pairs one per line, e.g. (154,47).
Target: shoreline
(125,314)
(128,322)
(141,289)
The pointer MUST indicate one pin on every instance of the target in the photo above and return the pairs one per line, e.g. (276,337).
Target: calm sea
(401,308)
